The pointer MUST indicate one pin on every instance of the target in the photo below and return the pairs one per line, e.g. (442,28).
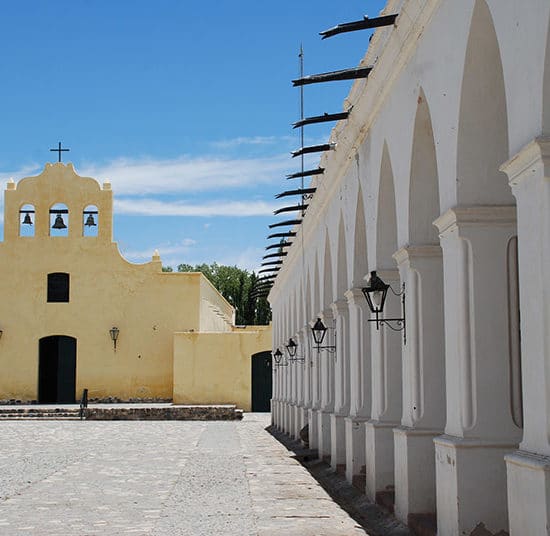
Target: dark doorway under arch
(57,370)
(261,381)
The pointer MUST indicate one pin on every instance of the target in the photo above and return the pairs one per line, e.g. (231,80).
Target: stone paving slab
(151,478)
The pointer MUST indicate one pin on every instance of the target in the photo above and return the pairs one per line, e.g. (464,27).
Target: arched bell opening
(27,220)
(59,220)
(90,221)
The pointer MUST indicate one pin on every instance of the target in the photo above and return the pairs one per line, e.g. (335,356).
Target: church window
(59,220)
(26,220)
(58,287)
(90,221)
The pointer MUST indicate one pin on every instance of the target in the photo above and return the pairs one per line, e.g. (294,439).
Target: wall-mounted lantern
(375,294)
(1,333)
(113,332)
(319,330)
(278,356)
(292,348)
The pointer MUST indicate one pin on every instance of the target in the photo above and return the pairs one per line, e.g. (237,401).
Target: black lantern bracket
(375,294)
(278,357)
(292,349)
(319,330)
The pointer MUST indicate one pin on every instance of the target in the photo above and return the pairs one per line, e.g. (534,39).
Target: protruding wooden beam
(314,149)
(308,173)
(300,191)
(293,208)
(320,119)
(344,74)
(285,223)
(364,24)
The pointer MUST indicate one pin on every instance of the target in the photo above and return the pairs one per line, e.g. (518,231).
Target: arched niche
(27,220)
(59,220)
(483,125)
(327,274)
(316,288)
(341,283)
(90,221)
(308,302)
(386,222)
(299,307)
(359,256)
(424,186)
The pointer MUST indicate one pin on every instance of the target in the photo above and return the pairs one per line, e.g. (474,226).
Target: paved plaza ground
(158,478)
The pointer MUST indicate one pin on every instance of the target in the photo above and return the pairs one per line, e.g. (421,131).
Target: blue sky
(186,107)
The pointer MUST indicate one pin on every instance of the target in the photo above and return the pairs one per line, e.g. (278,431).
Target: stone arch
(424,186)
(483,125)
(327,297)
(386,229)
(359,253)
(341,282)
(546,88)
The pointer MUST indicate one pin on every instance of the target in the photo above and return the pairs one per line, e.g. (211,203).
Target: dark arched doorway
(57,370)
(261,381)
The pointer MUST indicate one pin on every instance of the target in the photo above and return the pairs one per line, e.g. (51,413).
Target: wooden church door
(57,370)
(261,381)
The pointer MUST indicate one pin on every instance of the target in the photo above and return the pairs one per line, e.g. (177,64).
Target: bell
(27,219)
(90,221)
(59,223)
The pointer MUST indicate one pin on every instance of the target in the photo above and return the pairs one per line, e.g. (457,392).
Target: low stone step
(39,413)
(125,412)
(36,411)
(20,418)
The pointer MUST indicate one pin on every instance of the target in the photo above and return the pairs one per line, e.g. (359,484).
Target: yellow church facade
(75,315)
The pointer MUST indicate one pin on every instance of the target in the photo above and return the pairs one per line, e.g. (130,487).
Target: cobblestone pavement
(167,478)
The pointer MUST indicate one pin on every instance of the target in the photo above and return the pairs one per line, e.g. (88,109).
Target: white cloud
(16,174)
(154,207)
(185,174)
(188,174)
(248,259)
(165,249)
(254,140)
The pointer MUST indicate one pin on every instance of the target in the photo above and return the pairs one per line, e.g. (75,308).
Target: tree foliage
(236,286)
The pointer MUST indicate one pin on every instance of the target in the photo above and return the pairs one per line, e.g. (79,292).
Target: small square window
(58,287)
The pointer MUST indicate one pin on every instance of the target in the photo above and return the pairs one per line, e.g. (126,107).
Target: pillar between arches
(479,432)
(341,386)
(386,397)
(326,361)
(360,373)
(314,411)
(423,418)
(528,469)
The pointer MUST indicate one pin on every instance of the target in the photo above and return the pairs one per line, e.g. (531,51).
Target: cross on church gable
(59,150)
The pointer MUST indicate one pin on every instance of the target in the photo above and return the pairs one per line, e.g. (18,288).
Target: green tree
(237,287)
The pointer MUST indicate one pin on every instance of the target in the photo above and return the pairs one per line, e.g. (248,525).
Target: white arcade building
(439,180)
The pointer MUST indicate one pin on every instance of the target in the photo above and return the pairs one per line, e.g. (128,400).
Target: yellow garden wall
(215,368)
